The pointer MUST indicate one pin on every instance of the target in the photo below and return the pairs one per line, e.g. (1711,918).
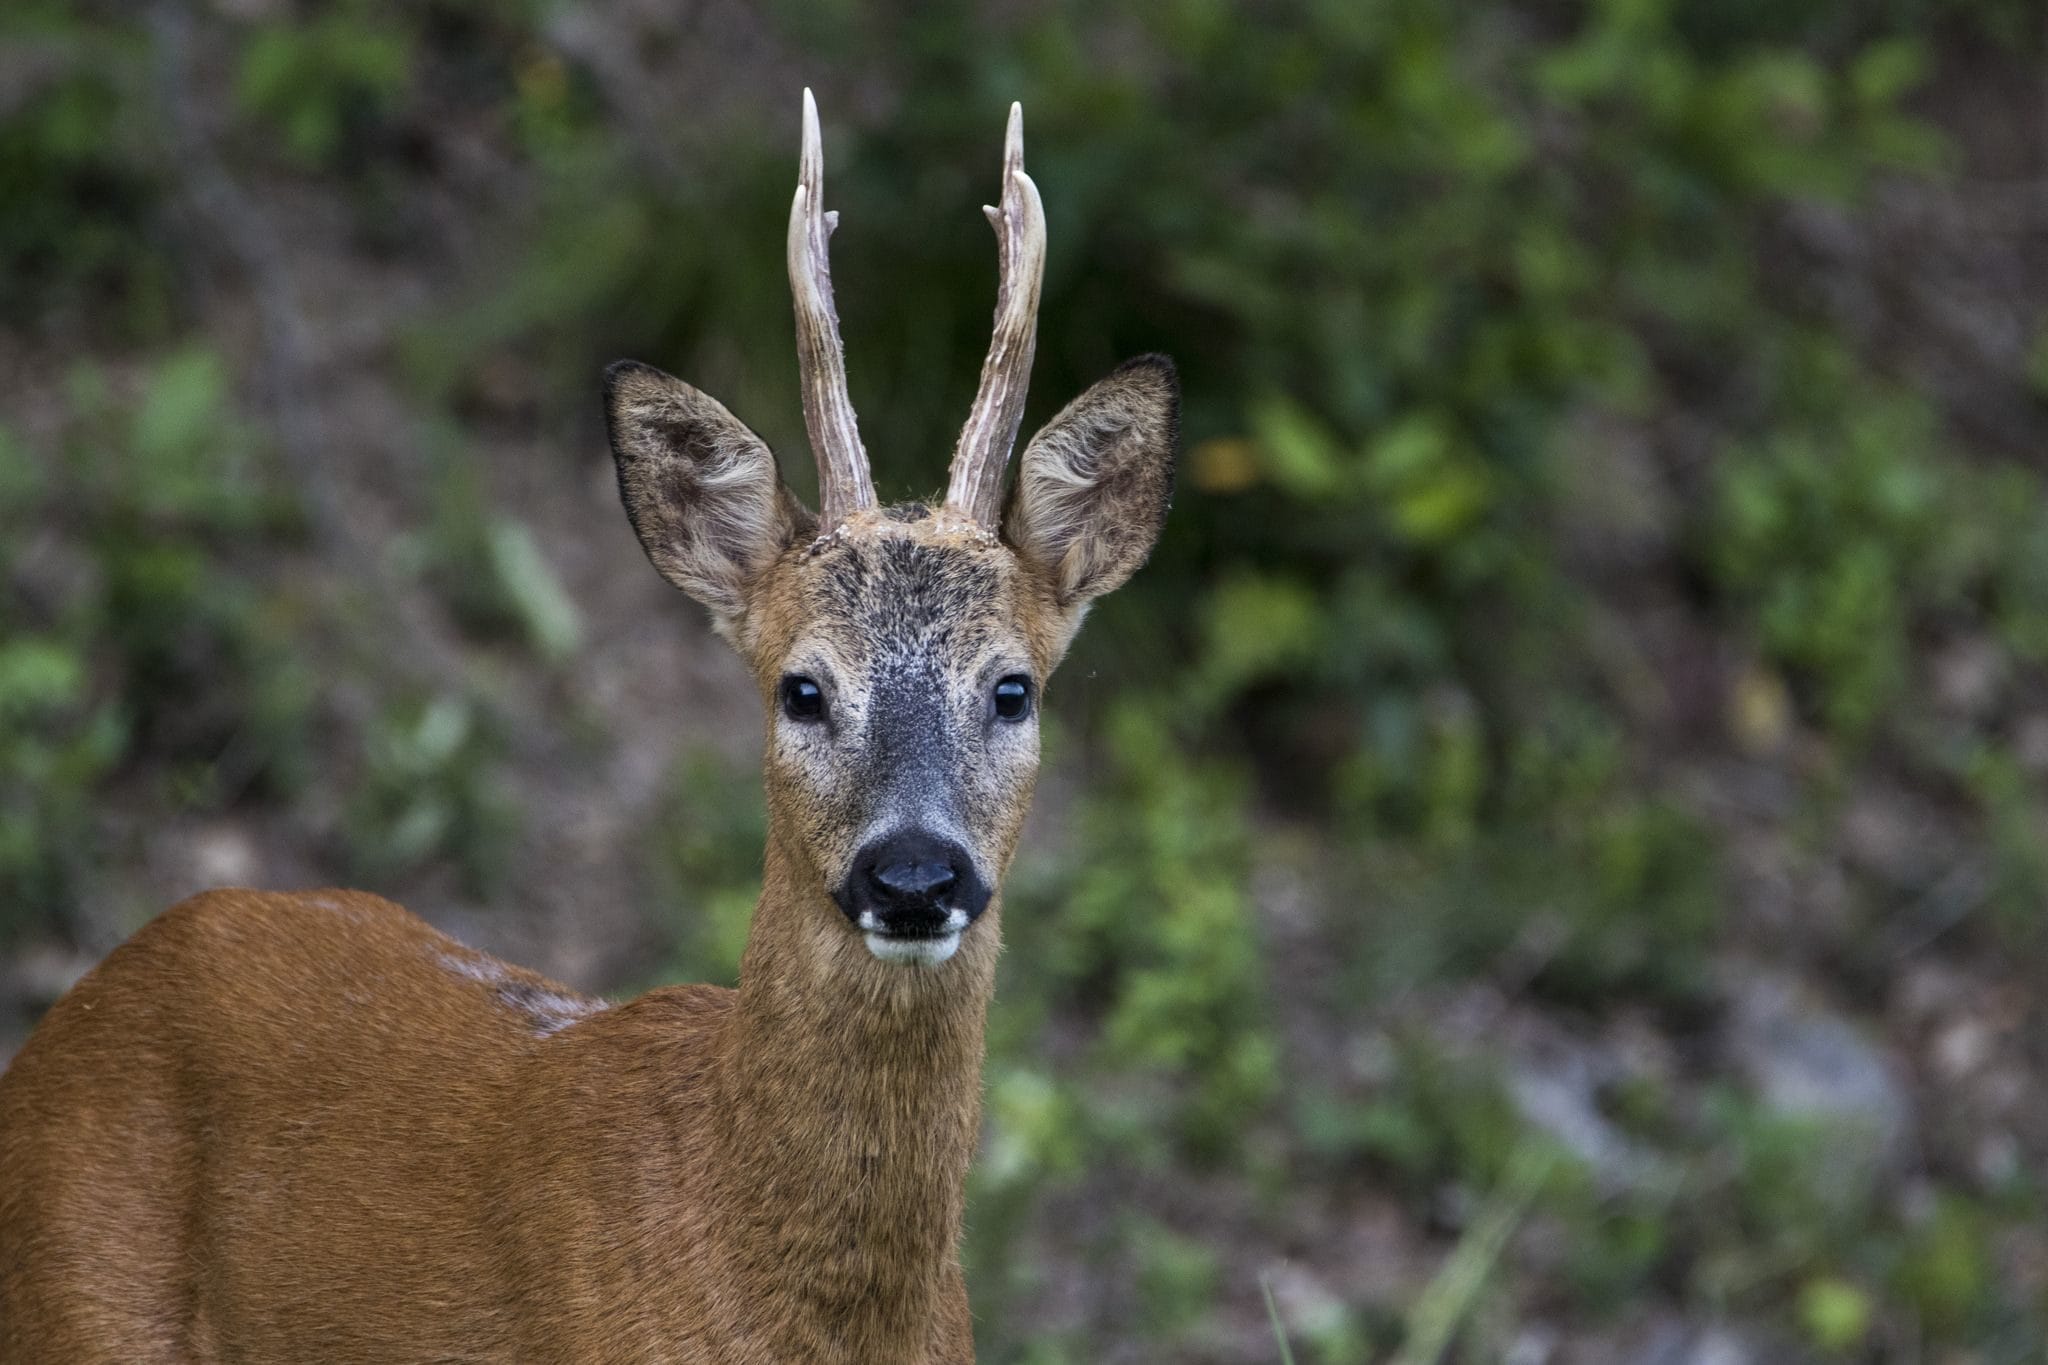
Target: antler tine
(976,486)
(844,485)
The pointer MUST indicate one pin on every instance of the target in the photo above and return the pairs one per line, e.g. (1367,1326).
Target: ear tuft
(701,490)
(1094,484)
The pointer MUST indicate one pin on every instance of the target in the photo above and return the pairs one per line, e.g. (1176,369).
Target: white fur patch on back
(552,1011)
(547,1011)
(475,966)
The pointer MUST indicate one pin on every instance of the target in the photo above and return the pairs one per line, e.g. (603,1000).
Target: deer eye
(802,699)
(1012,697)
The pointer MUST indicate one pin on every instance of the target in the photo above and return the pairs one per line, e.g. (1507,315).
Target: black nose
(912,883)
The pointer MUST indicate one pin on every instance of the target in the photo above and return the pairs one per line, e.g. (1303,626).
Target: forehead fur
(907,578)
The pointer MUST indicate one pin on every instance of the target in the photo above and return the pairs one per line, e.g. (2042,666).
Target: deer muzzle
(912,894)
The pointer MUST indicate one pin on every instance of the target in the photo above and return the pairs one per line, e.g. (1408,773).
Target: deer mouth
(921,939)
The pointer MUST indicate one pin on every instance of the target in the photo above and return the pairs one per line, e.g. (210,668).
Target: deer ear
(701,490)
(1094,484)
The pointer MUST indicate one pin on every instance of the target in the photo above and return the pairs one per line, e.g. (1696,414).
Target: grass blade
(1273,1316)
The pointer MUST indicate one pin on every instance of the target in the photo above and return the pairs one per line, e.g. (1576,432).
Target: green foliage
(56,745)
(1831,533)
(318,84)
(2012,804)
(1176,1281)
(1800,1193)
(430,791)
(177,490)
(80,175)
(1444,1305)
(146,641)
(1146,935)
(138,640)
(1153,929)
(490,571)
(1945,1273)
(1434,1119)
(1835,1313)
(705,872)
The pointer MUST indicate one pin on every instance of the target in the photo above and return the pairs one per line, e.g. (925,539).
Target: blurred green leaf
(1301,455)
(549,617)
(1835,1313)
(311,81)
(36,675)
(1258,627)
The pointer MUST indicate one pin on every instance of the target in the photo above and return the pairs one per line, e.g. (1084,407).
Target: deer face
(901,651)
(901,663)
(902,656)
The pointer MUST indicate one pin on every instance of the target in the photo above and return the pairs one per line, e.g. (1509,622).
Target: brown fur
(298,1127)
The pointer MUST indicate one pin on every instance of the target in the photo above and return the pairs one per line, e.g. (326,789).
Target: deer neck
(851,1096)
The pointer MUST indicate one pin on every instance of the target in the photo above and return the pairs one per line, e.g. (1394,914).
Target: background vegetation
(1546,865)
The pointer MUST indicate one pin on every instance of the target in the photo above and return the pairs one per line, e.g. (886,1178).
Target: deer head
(901,651)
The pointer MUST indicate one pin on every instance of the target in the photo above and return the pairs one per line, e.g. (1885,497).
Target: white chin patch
(928,952)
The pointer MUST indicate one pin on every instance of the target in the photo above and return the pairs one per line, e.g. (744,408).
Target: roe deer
(305,1127)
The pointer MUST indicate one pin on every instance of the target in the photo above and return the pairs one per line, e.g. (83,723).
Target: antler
(976,486)
(843,482)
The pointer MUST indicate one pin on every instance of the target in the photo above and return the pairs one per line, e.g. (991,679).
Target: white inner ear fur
(703,492)
(1056,497)
(1093,485)
(739,523)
